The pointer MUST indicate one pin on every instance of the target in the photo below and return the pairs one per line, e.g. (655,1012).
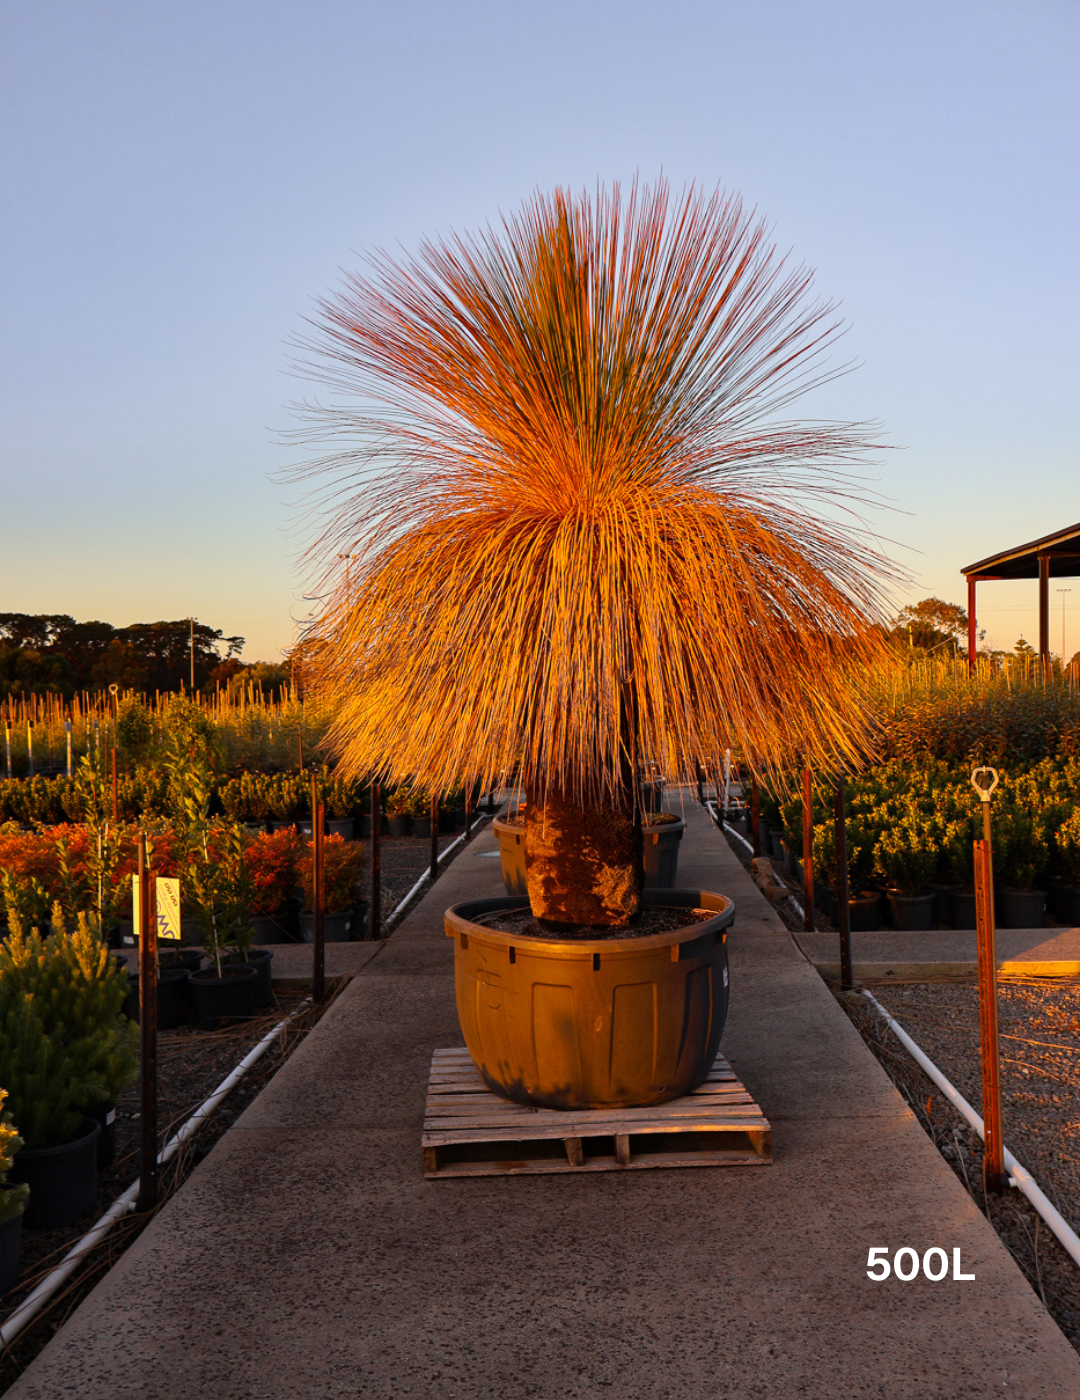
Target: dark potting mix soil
(648,922)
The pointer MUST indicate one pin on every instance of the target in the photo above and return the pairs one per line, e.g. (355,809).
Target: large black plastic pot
(260,959)
(272,928)
(421,826)
(962,905)
(1020,908)
(911,911)
(661,852)
(10,1252)
(400,824)
(224,998)
(1065,903)
(337,928)
(340,826)
(63,1180)
(864,911)
(942,902)
(173,996)
(104,1114)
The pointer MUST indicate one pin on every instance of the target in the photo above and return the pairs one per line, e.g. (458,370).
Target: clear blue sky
(180,181)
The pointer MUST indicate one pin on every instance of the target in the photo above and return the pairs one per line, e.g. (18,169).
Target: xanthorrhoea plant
(576,520)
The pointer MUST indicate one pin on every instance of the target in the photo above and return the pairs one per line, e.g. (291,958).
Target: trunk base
(583,864)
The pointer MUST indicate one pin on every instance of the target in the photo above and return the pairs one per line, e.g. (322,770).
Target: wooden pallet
(470,1131)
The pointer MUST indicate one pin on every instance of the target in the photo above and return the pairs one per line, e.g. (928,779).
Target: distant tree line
(52,652)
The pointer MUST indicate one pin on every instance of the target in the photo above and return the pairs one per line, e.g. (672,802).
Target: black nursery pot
(10,1252)
(173,996)
(228,997)
(63,1180)
(104,1114)
(260,959)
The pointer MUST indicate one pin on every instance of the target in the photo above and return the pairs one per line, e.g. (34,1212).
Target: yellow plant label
(168,908)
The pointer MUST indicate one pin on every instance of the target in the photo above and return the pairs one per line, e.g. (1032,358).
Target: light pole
(1064,658)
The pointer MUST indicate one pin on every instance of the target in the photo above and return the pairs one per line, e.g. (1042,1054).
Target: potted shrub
(271,862)
(905,860)
(1067,894)
(599,582)
(343,866)
(65,1049)
(398,806)
(1021,850)
(340,797)
(12,1203)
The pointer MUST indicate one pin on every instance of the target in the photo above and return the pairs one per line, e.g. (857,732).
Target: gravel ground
(1039,1029)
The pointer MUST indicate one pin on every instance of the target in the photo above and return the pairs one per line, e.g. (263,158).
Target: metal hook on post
(984,781)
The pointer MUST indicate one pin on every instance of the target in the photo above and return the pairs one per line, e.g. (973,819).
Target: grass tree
(581,529)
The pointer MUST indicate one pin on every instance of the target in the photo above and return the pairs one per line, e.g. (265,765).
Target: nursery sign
(168,907)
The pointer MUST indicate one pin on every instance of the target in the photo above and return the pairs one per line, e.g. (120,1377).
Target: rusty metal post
(843,894)
(376,859)
(807,852)
(994,1176)
(30,745)
(115,793)
(1044,614)
(468,813)
(67,733)
(147,932)
(318,893)
(434,838)
(755,818)
(972,626)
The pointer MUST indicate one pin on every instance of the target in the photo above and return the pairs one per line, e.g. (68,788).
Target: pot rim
(208,975)
(501,824)
(457,921)
(72,1143)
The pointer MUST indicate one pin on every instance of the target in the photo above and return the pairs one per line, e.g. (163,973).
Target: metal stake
(755,817)
(994,1177)
(468,813)
(434,839)
(7,741)
(115,795)
(30,744)
(318,873)
(843,894)
(376,859)
(67,730)
(807,852)
(147,933)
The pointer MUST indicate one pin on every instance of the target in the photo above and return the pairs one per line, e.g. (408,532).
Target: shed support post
(972,626)
(1044,612)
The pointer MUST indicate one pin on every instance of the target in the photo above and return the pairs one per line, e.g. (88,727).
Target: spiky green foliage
(64,1043)
(12,1198)
(573,510)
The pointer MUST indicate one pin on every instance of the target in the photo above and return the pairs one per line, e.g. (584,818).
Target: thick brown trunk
(583,863)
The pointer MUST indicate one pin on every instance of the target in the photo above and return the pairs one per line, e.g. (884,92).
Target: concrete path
(308,1257)
(1040,952)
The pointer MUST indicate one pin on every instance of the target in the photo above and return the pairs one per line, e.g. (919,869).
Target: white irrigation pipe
(1019,1176)
(427,873)
(123,1205)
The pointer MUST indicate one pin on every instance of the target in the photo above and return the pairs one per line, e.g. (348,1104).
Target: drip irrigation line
(1019,1176)
(25,1313)
(427,873)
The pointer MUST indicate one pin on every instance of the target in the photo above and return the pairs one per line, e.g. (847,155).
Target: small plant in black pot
(66,1051)
(343,866)
(905,861)
(12,1203)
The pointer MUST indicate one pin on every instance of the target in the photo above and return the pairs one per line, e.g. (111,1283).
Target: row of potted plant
(910,829)
(230,878)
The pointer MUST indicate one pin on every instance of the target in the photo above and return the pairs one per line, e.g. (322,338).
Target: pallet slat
(468,1128)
